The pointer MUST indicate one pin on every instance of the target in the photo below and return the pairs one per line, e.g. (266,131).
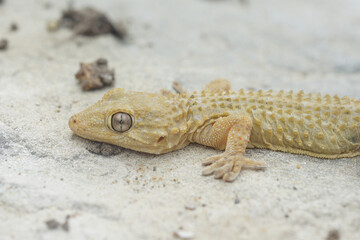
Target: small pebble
(184,234)
(13,27)
(52,224)
(190,206)
(65,225)
(47,5)
(333,235)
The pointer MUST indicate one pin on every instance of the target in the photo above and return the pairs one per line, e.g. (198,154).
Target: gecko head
(145,122)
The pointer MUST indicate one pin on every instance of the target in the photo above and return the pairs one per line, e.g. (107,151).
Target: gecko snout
(73,123)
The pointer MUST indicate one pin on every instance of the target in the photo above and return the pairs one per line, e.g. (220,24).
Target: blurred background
(254,43)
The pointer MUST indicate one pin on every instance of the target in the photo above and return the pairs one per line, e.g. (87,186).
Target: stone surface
(47,173)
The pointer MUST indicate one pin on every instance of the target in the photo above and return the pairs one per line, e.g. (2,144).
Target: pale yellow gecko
(310,124)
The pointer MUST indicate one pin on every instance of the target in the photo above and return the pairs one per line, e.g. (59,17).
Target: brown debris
(95,75)
(90,22)
(3,44)
(177,88)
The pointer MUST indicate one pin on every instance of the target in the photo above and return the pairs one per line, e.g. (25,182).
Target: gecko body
(311,124)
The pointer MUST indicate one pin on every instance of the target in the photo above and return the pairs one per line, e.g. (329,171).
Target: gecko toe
(219,173)
(230,176)
(208,171)
(251,164)
(210,160)
(219,162)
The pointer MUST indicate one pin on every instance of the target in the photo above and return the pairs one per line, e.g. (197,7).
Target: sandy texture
(48,173)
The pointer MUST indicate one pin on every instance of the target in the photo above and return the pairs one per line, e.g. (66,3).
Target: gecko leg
(235,131)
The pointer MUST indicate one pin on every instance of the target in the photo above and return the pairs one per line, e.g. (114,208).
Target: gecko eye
(121,122)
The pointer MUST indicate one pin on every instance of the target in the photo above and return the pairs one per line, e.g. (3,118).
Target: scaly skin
(310,124)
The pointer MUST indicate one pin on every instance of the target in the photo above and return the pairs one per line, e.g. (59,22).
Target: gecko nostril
(73,123)
(73,120)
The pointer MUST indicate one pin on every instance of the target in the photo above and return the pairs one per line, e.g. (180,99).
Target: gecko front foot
(228,166)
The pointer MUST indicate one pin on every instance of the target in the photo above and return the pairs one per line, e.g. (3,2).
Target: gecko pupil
(121,122)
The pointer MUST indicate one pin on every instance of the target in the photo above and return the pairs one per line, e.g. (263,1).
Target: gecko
(300,123)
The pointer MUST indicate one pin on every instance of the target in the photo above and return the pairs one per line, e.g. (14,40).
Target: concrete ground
(47,173)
